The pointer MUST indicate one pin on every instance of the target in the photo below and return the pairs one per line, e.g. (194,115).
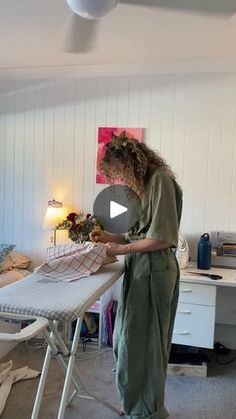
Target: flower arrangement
(80,226)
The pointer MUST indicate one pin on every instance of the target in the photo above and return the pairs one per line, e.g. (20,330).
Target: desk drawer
(194,325)
(197,293)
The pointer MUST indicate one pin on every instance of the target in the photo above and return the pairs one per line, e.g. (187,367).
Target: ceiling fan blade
(81,35)
(225,7)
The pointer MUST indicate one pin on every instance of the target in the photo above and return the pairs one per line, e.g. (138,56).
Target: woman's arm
(118,238)
(145,245)
(104,237)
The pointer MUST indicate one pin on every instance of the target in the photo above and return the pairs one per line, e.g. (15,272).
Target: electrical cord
(101,355)
(35,344)
(221,351)
(226,362)
(102,360)
(91,354)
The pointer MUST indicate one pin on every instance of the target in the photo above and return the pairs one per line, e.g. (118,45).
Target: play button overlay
(118,208)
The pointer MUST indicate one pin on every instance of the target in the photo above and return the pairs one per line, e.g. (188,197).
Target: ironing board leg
(71,371)
(59,356)
(89,394)
(42,382)
(78,380)
(70,366)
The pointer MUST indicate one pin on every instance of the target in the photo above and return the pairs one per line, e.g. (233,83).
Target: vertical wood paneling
(168,105)
(202,157)
(112,102)
(191,146)
(9,168)
(48,144)
(38,179)
(80,146)
(69,144)
(100,121)
(48,159)
(179,129)
(214,157)
(59,141)
(28,175)
(90,144)
(232,180)
(123,102)
(18,211)
(145,106)
(156,113)
(2,164)
(133,102)
(227,148)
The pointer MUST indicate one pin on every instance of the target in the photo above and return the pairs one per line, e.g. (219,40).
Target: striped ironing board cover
(37,295)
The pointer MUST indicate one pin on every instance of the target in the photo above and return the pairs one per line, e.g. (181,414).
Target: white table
(197,306)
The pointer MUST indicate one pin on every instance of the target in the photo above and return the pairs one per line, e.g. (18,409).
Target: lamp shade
(54,215)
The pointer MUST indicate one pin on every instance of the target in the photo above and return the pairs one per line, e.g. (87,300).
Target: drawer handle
(187,290)
(185,332)
(184,312)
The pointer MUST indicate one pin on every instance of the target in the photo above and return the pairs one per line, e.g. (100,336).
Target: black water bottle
(204,252)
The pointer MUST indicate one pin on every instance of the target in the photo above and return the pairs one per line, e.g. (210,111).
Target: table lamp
(54,215)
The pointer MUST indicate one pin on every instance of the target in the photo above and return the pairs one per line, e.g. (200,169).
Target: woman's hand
(100,236)
(114,249)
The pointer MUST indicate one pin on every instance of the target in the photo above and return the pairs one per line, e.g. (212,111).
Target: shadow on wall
(21,95)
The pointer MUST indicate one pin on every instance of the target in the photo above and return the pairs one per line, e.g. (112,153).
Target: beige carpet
(186,397)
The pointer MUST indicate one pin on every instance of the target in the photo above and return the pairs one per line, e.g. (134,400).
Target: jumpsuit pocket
(162,260)
(164,274)
(137,283)
(163,285)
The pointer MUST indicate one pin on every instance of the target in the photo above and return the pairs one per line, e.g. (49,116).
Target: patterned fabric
(58,300)
(55,252)
(71,262)
(5,249)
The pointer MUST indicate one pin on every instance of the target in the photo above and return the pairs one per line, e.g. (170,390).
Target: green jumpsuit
(147,307)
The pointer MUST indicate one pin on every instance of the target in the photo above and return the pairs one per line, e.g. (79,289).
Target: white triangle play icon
(116,209)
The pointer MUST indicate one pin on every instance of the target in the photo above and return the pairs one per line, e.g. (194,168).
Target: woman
(145,318)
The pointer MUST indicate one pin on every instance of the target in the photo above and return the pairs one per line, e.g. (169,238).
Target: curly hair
(131,161)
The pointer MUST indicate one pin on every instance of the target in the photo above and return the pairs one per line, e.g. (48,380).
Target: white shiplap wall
(48,132)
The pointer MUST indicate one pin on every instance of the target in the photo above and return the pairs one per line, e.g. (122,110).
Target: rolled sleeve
(165,223)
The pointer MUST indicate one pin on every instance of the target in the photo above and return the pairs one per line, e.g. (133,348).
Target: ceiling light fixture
(92,9)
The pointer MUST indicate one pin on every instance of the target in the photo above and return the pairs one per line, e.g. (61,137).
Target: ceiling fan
(86,14)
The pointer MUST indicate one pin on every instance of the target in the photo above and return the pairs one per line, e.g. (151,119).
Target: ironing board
(46,302)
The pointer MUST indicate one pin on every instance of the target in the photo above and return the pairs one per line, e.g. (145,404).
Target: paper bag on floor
(9,377)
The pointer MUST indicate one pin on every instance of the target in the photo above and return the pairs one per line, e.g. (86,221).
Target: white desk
(228,280)
(199,306)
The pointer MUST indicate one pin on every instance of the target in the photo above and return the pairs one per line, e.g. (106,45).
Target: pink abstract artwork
(105,136)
